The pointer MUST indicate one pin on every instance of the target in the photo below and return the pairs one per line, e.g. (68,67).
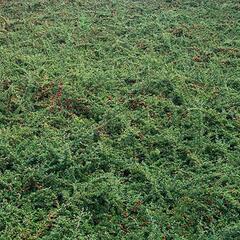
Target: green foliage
(119,119)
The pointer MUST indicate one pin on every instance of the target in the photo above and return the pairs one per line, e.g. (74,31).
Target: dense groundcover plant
(119,119)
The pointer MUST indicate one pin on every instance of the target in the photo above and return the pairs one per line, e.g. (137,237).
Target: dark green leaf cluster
(119,119)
